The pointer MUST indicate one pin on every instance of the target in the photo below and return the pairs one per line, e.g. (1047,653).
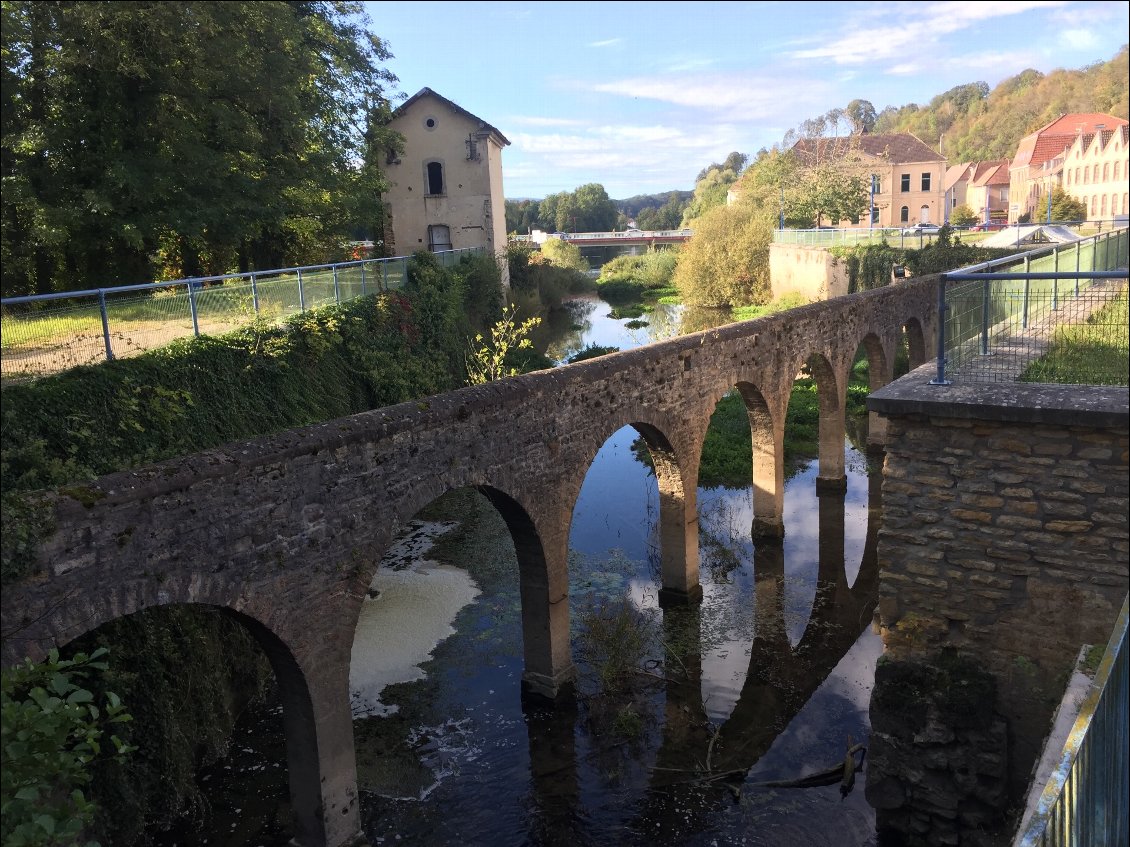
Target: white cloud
(608,42)
(748,97)
(534,120)
(1079,39)
(920,26)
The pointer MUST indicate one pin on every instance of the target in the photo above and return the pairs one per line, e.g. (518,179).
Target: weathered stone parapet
(1005,533)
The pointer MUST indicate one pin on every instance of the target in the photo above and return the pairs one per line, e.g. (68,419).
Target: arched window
(1116,165)
(924,214)
(904,214)
(1106,171)
(1102,210)
(435,178)
(1086,174)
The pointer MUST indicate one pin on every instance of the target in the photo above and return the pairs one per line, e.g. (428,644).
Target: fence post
(1027,287)
(254,295)
(1055,282)
(384,276)
(363,279)
(985,317)
(1078,258)
(105,324)
(337,289)
(941,377)
(301,296)
(192,309)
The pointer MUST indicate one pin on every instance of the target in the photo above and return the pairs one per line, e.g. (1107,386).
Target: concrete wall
(1005,535)
(812,272)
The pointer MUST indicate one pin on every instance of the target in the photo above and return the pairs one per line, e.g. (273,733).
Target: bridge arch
(304,724)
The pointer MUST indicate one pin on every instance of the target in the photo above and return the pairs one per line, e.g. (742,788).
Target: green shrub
(53,732)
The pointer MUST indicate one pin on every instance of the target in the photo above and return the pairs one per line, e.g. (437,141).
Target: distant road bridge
(640,237)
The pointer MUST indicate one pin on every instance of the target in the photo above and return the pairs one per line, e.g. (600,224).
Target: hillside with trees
(973,123)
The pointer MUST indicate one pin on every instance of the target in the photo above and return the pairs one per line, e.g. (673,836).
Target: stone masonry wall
(1005,535)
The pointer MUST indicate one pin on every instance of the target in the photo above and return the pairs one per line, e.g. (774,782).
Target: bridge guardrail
(48,333)
(1087,798)
(1030,315)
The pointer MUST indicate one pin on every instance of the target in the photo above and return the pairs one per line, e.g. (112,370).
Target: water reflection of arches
(685,787)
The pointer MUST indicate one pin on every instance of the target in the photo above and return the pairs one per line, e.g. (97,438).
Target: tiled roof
(1052,139)
(896,147)
(955,174)
(992,173)
(427,92)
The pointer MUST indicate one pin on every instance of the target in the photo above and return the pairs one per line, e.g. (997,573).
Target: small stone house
(445,189)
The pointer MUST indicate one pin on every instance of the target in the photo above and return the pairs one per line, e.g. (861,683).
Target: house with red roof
(982,186)
(907,174)
(1096,171)
(1041,163)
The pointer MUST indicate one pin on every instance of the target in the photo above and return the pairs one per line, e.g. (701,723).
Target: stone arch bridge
(285,532)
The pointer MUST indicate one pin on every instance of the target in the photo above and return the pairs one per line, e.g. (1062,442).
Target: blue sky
(639,97)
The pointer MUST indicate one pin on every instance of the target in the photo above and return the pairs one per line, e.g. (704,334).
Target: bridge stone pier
(285,532)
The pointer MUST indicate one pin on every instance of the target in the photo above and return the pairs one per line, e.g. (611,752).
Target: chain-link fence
(1058,314)
(45,334)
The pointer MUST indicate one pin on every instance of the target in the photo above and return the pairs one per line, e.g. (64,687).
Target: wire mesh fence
(1057,315)
(41,335)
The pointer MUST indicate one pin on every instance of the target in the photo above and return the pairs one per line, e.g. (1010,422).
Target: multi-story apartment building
(1042,164)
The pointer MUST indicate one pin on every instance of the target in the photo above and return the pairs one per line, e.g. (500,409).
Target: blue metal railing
(1086,802)
(44,334)
(997,316)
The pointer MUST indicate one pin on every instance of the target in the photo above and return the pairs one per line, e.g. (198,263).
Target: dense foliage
(727,260)
(870,265)
(186,674)
(980,124)
(54,730)
(202,392)
(634,277)
(167,139)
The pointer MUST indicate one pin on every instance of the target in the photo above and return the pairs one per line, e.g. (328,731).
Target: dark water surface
(767,681)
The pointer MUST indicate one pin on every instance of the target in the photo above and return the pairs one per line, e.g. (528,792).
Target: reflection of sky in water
(598,327)
(617,510)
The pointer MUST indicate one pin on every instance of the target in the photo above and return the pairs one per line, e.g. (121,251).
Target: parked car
(924,228)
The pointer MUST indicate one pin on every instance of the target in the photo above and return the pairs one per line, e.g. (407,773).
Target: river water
(765,683)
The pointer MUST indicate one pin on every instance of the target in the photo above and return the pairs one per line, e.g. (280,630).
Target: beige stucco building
(909,177)
(1046,159)
(445,187)
(1096,170)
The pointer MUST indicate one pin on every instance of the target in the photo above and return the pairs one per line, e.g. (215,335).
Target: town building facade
(445,186)
(907,176)
(1048,158)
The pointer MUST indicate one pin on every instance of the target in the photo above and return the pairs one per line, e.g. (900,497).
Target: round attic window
(430,123)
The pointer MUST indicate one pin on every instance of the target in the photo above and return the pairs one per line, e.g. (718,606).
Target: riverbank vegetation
(184,674)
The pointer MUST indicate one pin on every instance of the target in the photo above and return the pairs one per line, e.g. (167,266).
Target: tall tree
(178,137)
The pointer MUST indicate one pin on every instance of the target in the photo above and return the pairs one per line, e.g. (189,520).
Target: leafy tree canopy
(177,138)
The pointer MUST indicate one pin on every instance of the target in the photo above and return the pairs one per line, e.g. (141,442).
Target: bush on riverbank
(633,278)
(538,283)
